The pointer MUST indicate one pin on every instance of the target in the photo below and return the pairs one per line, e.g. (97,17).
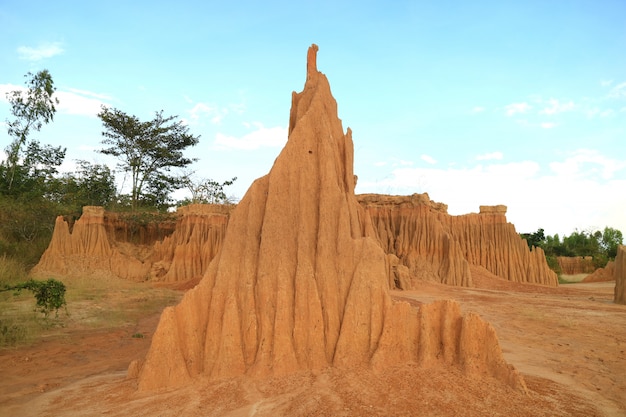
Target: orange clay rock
(90,248)
(602,274)
(301,281)
(99,243)
(574,265)
(620,275)
(436,246)
(186,253)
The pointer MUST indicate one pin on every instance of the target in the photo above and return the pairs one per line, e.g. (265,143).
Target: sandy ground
(569,343)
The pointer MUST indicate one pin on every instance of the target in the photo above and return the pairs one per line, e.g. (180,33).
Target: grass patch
(12,271)
(571,279)
(92,303)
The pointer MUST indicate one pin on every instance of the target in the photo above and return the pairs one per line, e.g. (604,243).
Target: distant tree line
(601,245)
(33,191)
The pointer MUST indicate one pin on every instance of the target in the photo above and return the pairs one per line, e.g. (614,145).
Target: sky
(521,103)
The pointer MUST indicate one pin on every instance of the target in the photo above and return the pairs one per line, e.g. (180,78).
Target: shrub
(50,294)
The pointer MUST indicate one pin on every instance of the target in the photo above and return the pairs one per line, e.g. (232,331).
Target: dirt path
(569,344)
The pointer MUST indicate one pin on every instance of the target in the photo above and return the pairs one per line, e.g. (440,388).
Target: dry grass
(571,279)
(92,303)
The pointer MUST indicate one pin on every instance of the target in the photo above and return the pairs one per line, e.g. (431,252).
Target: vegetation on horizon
(601,246)
(33,192)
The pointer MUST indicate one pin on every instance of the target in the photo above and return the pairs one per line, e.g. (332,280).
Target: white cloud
(619,91)
(579,191)
(72,101)
(81,102)
(548,125)
(201,110)
(556,107)
(588,163)
(490,156)
(606,83)
(514,108)
(428,159)
(478,109)
(42,51)
(260,137)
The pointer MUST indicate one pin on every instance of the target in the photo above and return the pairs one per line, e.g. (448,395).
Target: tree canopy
(601,245)
(148,151)
(31,109)
(206,191)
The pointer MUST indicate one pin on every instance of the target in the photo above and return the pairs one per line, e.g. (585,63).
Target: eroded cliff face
(573,265)
(301,281)
(108,244)
(89,247)
(620,276)
(424,242)
(197,238)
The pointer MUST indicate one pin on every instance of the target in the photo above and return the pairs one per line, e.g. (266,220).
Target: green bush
(50,294)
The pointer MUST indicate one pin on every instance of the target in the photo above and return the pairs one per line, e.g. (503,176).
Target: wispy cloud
(71,101)
(514,108)
(81,102)
(548,125)
(260,137)
(554,107)
(39,52)
(587,163)
(606,83)
(428,159)
(214,113)
(619,91)
(206,110)
(490,156)
(478,109)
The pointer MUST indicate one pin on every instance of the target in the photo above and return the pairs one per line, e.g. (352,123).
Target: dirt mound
(301,282)
(602,274)
(620,275)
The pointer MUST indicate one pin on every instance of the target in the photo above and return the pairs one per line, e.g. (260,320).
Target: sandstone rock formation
(89,247)
(107,244)
(620,276)
(197,238)
(301,280)
(574,265)
(421,236)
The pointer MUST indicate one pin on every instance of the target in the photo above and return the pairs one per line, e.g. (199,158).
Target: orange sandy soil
(569,343)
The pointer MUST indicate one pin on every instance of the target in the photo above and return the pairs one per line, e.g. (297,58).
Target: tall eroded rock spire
(301,283)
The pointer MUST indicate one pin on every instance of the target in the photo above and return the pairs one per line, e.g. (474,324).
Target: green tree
(582,243)
(148,151)
(611,239)
(32,109)
(206,191)
(536,239)
(90,185)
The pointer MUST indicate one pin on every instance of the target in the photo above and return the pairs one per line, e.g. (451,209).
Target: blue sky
(476,103)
